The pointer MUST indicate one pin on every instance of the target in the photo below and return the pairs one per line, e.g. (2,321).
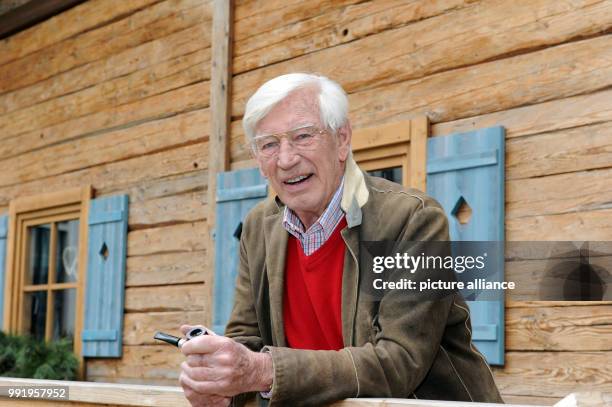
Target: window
(47,252)
(395,151)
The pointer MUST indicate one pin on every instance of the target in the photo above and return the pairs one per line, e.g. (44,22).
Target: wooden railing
(90,394)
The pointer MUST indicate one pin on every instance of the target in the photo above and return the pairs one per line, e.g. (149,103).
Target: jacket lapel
(350,283)
(276,238)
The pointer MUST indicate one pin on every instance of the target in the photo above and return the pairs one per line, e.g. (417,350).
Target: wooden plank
(421,49)
(167,269)
(491,86)
(577,149)
(543,117)
(590,225)
(538,304)
(113,118)
(29,14)
(323,25)
(157,188)
(378,136)
(84,393)
(554,374)
(185,237)
(118,175)
(168,210)
(139,328)
(546,279)
(44,201)
(550,195)
(184,297)
(530,400)
(160,78)
(143,56)
(419,131)
(147,138)
(586,328)
(70,23)
(159,20)
(256,17)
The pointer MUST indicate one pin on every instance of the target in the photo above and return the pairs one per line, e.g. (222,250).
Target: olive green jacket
(393,348)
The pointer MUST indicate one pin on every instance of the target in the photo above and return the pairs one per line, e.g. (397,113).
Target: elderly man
(301,332)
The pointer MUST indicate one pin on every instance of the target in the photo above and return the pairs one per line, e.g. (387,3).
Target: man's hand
(219,366)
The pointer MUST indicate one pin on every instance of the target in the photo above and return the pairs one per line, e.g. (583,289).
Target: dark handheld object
(175,340)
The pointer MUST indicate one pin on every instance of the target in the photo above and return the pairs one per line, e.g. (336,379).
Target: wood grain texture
(119,175)
(190,207)
(150,137)
(550,73)
(559,194)
(588,225)
(158,79)
(185,237)
(554,374)
(167,269)
(143,56)
(139,328)
(565,151)
(586,328)
(185,297)
(157,21)
(187,98)
(303,31)
(69,23)
(148,364)
(421,49)
(542,117)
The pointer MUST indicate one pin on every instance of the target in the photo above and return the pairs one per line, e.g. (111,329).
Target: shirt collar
(327,222)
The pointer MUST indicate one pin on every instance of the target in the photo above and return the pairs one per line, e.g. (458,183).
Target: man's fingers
(203,344)
(202,387)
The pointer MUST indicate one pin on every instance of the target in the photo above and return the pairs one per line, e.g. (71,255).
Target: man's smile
(298,179)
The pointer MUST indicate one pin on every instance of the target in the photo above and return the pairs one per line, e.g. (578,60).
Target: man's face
(322,164)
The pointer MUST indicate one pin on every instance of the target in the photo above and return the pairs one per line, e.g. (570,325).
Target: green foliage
(24,356)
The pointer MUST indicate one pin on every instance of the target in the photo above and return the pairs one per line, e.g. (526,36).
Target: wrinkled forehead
(299,109)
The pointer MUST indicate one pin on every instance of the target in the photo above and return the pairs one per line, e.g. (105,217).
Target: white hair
(332,100)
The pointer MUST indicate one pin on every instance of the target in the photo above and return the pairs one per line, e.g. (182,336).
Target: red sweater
(312,301)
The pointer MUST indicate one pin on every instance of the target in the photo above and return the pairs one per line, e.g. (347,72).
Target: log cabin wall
(122,88)
(539,68)
(115,94)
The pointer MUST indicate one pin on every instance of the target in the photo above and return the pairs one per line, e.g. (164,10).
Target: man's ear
(343,139)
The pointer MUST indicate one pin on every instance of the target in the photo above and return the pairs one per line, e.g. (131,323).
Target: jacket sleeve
(243,326)
(394,364)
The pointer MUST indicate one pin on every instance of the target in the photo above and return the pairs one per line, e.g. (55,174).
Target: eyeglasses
(302,139)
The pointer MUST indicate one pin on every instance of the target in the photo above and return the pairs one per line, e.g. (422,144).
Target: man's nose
(287,157)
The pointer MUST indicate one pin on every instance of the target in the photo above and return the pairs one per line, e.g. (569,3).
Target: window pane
(38,257)
(67,251)
(35,315)
(392,174)
(64,309)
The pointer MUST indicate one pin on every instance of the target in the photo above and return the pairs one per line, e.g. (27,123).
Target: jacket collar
(355,194)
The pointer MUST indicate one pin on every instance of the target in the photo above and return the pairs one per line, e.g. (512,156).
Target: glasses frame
(285,135)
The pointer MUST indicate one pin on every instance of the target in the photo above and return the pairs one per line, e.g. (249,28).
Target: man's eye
(269,145)
(303,136)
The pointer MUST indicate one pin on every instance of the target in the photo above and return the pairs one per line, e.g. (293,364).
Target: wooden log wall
(542,69)
(122,88)
(116,95)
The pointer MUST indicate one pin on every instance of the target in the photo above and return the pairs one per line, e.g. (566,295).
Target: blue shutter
(3,232)
(104,294)
(237,193)
(468,168)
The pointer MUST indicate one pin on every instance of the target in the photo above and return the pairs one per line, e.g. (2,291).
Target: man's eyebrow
(298,127)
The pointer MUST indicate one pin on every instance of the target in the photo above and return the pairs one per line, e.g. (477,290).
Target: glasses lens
(267,145)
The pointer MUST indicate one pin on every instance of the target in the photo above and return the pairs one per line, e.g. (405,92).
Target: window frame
(400,144)
(34,210)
